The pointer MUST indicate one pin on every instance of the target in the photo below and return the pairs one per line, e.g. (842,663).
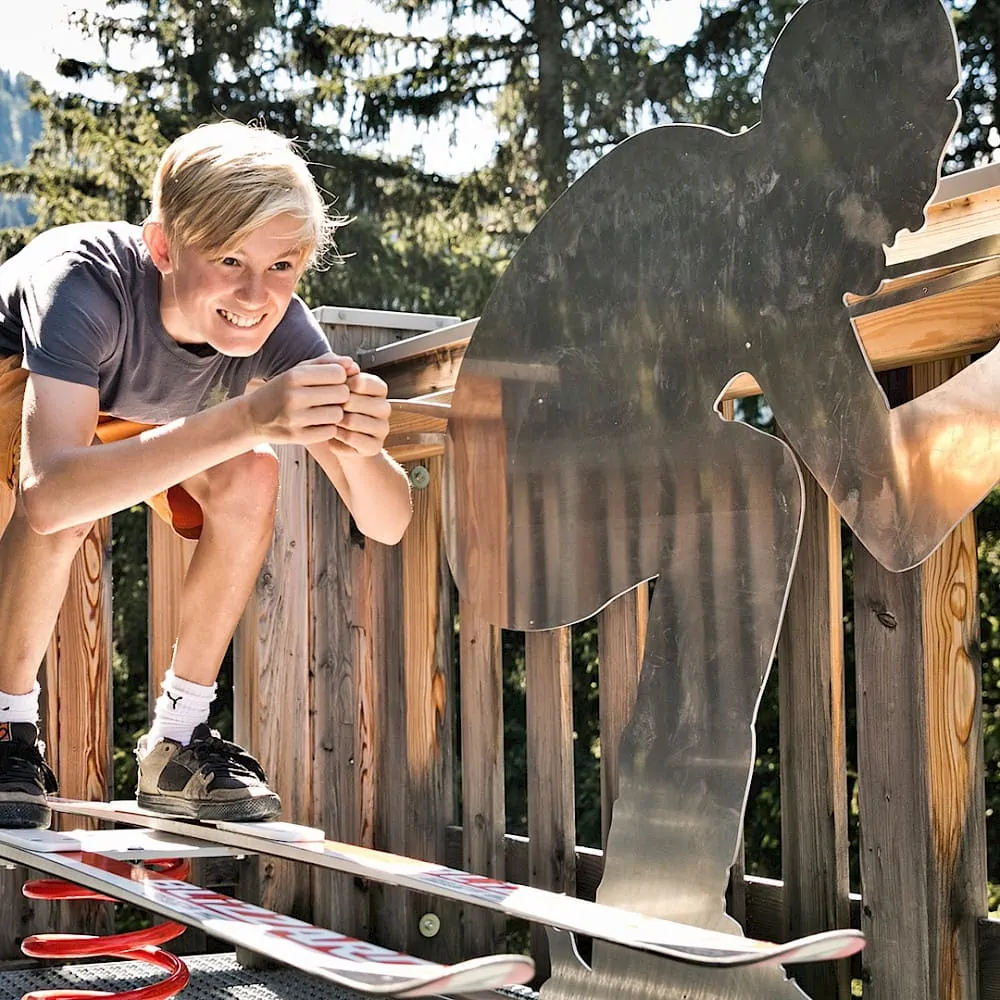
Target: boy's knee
(63,540)
(244,488)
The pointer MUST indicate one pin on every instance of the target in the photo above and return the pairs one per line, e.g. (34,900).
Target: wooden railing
(345,683)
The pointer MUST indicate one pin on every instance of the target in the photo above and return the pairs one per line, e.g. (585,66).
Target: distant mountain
(20,128)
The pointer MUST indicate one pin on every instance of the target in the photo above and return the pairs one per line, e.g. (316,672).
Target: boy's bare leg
(34,572)
(238,499)
(191,775)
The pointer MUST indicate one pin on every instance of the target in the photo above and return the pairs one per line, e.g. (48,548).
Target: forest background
(563,81)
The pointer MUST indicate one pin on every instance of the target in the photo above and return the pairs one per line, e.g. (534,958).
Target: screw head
(420,478)
(429,925)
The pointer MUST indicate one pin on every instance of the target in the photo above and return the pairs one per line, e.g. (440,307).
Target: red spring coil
(142,946)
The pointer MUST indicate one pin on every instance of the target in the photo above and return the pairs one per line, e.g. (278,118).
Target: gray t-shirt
(81,303)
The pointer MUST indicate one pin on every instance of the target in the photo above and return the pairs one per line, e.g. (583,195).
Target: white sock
(20,707)
(182,706)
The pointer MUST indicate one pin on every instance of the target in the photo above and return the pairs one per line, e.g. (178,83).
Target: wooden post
(433,926)
(343,692)
(921,768)
(271,682)
(483,797)
(551,806)
(813,745)
(621,638)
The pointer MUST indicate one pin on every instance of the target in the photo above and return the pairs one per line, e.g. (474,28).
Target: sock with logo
(181,707)
(20,707)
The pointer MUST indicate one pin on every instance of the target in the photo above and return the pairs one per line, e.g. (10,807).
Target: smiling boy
(181,350)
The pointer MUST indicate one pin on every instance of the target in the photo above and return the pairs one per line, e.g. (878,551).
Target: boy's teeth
(239,320)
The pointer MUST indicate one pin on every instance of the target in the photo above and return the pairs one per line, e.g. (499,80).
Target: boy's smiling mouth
(243,322)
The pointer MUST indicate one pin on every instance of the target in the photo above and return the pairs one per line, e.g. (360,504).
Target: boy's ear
(156,241)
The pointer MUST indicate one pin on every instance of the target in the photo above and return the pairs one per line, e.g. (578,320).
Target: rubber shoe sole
(252,809)
(24,815)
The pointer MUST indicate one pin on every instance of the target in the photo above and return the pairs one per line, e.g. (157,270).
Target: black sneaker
(209,778)
(25,778)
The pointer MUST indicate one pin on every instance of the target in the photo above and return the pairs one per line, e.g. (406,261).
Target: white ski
(355,965)
(677,941)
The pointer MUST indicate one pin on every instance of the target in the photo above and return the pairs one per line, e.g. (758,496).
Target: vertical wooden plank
(551,805)
(812,722)
(483,799)
(920,759)
(271,683)
(169,556)
(427,683)
(621,638)
(955,765)
(390,916)
(78,673)
(344,740)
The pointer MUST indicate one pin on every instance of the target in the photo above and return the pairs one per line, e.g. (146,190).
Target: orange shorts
(175,505)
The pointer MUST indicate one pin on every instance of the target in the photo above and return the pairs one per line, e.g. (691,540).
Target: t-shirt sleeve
(298,337)
(70,321)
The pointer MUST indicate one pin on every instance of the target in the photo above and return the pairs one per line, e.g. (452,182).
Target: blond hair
(218,183)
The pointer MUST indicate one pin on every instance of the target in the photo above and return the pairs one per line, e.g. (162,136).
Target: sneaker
(25,778)
(209,778)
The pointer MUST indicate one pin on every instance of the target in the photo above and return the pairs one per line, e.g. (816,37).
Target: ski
(676,941)
(352,964)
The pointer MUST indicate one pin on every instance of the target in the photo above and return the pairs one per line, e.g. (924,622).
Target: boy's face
(233,300)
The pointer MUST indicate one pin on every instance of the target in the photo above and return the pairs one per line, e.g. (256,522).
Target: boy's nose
(251,291)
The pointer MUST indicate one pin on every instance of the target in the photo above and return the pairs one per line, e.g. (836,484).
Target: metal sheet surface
(586,452)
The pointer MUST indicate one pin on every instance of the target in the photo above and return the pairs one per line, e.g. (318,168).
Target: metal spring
(142,946)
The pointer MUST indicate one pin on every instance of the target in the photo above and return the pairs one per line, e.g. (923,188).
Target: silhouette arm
(901,478)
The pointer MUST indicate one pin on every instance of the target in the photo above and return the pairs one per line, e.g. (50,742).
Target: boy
(144,341)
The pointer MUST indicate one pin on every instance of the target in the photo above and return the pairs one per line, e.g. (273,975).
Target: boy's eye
(229,261)
(283,265)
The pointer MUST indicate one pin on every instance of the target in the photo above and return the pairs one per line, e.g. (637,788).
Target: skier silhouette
(587,453)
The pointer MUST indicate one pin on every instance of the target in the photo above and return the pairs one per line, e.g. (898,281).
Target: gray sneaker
(209,778)
(25,778)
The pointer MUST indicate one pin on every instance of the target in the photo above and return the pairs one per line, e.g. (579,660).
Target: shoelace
(216,752)
(25,761)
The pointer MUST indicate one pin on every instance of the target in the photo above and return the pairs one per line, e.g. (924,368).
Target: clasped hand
(329,399)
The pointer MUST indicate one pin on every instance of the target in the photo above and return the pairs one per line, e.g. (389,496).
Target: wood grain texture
(271,678)
(428,683)
(483,796)
(814,836)
(77,709)
(551,805)
(920,761)
(340,649)
(621,638)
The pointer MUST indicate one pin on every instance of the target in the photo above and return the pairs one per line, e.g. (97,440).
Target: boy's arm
(374,487)
(65,481)
(901,477)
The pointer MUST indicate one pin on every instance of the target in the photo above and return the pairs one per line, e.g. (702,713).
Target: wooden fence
(345,684)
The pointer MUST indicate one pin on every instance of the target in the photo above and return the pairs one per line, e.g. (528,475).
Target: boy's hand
(365,425)
(306,404)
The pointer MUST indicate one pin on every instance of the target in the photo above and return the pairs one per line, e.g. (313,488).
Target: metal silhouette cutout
(587,453)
